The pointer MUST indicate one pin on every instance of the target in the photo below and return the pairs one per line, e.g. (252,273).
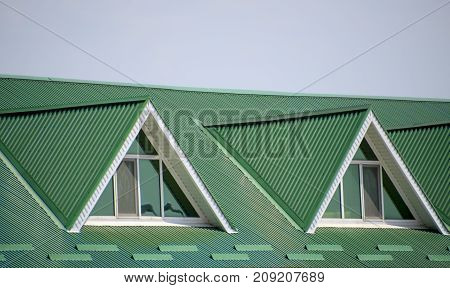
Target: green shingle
(70,257)
(178,248)
(443,258)
(375,257)
(97,247)
(2,258)
(305,257)
(229,257)
(395,248)
(152,257)
(324,247)
(253,247)
(16,247)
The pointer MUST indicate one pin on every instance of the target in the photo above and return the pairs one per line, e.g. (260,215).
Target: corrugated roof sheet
(294,160)
(426,152)
(31,94)
(257,221)
(17,206)
(63,154)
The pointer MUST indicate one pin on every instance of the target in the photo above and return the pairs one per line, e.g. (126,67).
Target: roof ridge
(242,92)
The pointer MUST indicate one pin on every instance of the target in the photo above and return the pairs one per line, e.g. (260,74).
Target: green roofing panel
(426,153)
(229,256)
(63,154)
(440,258)
(305,257)
(152,257)
(2,258)
(253,247)
(19,95)
(296,160)
(375,257)
(97,247)
(324,247)
(398,248)
(178,248)
(16,247)
(70,257)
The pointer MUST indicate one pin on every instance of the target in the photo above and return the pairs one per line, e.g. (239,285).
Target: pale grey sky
(258,45)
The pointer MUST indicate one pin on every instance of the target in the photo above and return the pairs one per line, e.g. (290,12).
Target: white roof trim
(371,119)
(112,169)
(225,225)
(341,173)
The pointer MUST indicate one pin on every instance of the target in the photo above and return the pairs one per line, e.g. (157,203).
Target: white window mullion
(361,190)
(116,200)
(380,169)
(161,187)
(341,187)
(138,180)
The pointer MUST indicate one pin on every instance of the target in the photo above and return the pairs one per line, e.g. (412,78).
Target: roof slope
(294,160)
(63,154)
(17,206)
(425,151)
(22,94)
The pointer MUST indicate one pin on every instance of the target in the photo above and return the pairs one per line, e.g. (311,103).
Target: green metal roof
(294,160)
(256,219)
(426,152)
(17,206)
(21,94)
(63,154)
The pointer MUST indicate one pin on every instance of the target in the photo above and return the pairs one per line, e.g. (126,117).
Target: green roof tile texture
(295,160)
(152,257)
(70,257)
(443,258)
(253,247)
(63,154)
(16,247)
(395,248)
(229,256)
(178,248)
(426,152)
(375,257)
(97,247)
(321,247)
(305,257)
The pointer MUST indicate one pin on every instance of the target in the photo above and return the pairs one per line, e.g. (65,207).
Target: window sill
(146,221)
(357,223)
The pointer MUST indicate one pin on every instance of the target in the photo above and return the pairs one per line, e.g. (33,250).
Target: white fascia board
(111,170)
(371,121)
(341,172)
(220,217)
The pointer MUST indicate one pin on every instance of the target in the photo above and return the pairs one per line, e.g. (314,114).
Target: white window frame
(140,220)
(371,222)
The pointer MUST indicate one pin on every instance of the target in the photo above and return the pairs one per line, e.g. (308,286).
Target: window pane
(105,204)
(371,187)
(126,189)
(149,185)
(352,194)
(175,202)
(141,146)
(334,208)
(394,207)
(364,152)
